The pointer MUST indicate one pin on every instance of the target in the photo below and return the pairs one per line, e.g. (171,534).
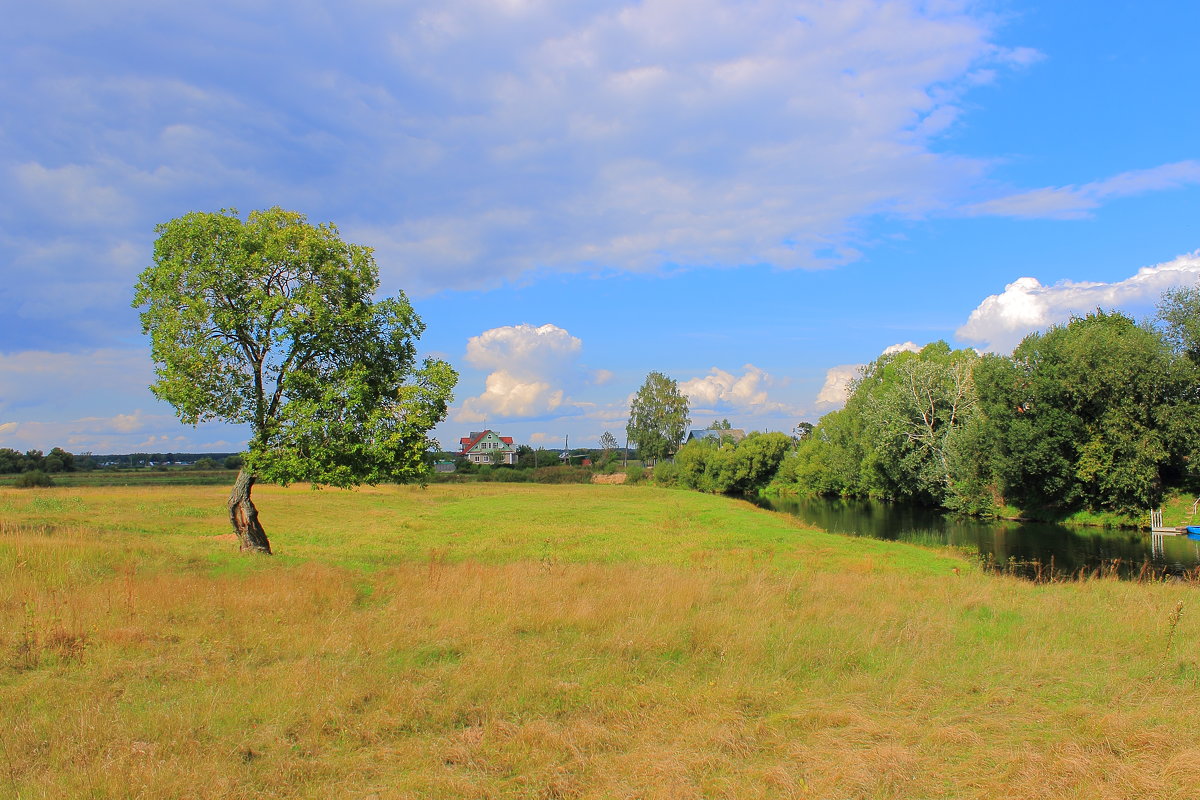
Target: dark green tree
(33,460)
(59,460)
(272,322)
(1080,415)
(10,461)
(658,417)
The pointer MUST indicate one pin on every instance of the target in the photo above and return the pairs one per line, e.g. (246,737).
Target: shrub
(33,479)
(563,474)
(635,474)
(665,474)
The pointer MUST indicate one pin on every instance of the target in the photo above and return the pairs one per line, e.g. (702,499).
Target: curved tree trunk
(244,516)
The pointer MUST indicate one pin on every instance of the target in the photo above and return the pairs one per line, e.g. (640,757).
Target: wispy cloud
(473,142)
(1077,202)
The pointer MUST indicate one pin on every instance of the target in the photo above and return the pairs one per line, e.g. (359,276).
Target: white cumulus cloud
(529,367)
(839,380)
(721,391)
(1026,305)
(836,389)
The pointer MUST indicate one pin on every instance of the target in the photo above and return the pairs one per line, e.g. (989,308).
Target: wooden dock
(1157,527)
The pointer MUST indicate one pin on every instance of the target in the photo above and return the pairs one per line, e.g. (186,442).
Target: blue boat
(1193,530)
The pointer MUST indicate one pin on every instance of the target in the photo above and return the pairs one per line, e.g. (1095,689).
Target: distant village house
(480,447)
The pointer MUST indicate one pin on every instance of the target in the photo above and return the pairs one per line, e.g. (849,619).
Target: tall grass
(655,644)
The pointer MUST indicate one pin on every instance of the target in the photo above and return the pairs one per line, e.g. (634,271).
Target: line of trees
(57,460)
(1100,413)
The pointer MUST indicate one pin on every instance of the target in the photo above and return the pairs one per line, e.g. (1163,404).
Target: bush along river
(1034,550)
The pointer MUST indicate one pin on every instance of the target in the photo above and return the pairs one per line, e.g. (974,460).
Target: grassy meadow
(573,641)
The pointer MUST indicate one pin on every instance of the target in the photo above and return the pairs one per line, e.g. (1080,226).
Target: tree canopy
(1099,413)
(272,321)
(658,417)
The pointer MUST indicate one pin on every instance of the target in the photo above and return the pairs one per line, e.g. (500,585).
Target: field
(136,477)
(492,641)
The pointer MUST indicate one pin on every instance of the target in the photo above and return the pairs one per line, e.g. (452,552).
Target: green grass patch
(487,640)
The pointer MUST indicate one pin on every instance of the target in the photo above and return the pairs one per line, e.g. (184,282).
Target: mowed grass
(480,641)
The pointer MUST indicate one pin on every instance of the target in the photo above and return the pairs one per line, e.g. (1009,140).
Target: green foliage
(271,321)
(205,463)
(914,407)
(1179,311)
(608,462)
(658,417)
(56,461)
(232,462)
(59,460)
(33,479)
(1082,415)
(731,468)
(10,461)
(635,473)
(563,474)
(665,473)
(1099,415)
(900,434)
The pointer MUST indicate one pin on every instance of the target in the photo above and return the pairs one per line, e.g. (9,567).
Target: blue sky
(752,197)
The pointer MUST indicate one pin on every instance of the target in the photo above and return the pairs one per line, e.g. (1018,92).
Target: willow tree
(273,322)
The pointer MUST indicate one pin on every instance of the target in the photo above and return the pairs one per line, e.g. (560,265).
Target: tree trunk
(244,516)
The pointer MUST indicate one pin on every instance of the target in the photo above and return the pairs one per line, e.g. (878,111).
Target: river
(1023,548)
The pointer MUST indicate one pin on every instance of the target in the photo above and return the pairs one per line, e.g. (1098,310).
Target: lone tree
(658,417)
(271,321)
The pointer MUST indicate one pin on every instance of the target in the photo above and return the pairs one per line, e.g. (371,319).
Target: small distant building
(443,466)
(717,435)
(479,447)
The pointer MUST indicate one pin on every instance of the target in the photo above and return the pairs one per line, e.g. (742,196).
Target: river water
(1023,548)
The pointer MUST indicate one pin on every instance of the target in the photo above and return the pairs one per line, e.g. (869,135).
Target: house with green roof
(480,447)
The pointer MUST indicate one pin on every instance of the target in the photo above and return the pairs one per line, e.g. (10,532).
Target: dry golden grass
(148,664)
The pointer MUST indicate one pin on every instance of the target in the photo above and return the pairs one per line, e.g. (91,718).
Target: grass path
(492,641)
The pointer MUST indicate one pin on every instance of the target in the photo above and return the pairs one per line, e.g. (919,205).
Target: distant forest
(59,460)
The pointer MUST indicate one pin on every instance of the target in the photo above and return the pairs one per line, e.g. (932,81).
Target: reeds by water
(1038,571)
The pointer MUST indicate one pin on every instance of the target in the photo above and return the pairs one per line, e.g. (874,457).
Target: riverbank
(1178,510)
(583,641)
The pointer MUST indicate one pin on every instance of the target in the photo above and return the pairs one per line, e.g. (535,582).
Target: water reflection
(1027,548)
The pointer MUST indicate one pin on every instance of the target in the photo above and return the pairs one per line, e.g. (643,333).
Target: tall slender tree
(658,417)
